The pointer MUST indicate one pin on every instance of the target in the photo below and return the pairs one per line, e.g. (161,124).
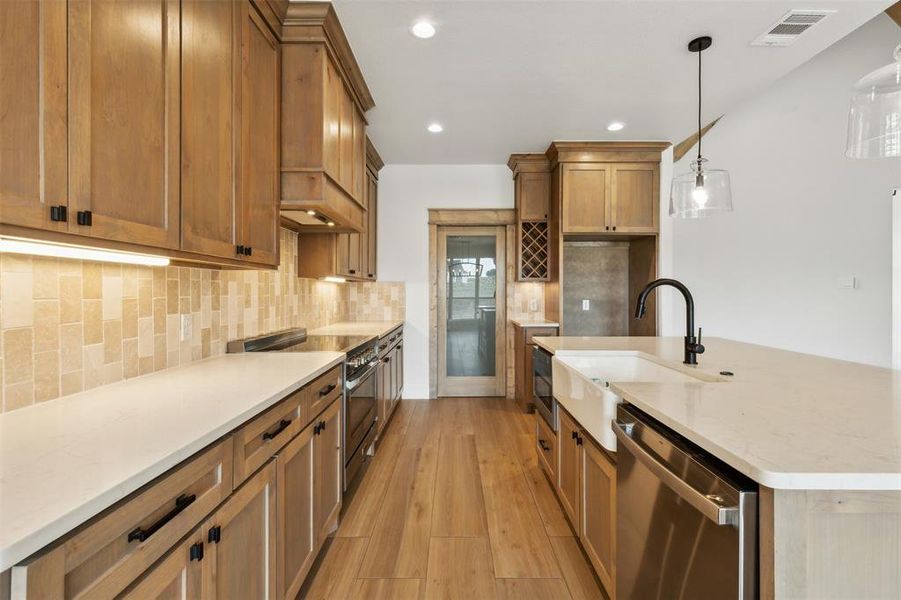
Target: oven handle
(705,504)
(353,384)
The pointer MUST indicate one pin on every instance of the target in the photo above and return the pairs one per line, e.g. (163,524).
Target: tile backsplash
(69,325)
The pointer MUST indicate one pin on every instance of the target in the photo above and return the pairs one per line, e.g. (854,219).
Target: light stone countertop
(367,328)
(786,420)
(64,461)
(534,323)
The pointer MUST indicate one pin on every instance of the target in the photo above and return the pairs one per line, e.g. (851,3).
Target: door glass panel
(471,305)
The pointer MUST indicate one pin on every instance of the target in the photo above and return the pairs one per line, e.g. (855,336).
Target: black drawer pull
(214,535)
(352,271)
(544,445)
(327,389)
(84,217)
(282,425)
(248,251)
(196,551)
(181,503)
(59,213)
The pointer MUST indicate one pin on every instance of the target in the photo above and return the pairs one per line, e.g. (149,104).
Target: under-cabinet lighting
(423,29)
(615,126)
(331,223)
(334,279)
(436,127)
(20,246)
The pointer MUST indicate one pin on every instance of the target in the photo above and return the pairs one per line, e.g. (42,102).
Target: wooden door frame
(460,218)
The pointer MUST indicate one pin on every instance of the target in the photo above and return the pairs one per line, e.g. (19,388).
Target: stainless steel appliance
(542,384)
(686,523)
(358,409)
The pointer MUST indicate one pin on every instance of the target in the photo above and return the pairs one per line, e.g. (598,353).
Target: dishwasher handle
(706,504)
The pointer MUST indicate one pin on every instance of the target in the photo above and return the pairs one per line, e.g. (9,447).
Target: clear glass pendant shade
(700,193)
(874,122)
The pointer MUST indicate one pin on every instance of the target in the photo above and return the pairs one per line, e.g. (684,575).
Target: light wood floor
(454,506)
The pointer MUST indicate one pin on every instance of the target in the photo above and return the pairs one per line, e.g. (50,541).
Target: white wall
(406,192)
(804,216)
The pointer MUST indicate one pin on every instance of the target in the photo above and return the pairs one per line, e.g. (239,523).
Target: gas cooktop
(297,340)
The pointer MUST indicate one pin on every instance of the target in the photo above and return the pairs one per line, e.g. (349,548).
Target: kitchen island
(821,437)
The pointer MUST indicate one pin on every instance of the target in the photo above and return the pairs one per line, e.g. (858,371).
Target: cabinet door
(182,574)
(635,198)
(383,385)
(327,482)
(333,90)
(33,118)
(546,443)
(124,99)
(346,143)
(295,466)
(354,254)
(533,195)
(372,230)
(245,527)
(585,197)
(569,455)
(210,126)
(598,527)
(342,254)
(400,370)
(359,157)
(260,130)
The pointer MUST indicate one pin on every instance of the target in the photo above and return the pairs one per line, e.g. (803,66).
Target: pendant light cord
(700,52)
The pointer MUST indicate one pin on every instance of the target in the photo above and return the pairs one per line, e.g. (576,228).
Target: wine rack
(533,251)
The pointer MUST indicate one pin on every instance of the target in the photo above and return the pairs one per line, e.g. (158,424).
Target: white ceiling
(510,76)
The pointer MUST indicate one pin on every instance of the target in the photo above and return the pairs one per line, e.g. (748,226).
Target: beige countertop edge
(68,512)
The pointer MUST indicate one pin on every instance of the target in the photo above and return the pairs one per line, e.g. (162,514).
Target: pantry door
(471,315)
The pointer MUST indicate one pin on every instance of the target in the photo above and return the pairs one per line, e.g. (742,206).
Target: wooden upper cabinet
(33,117)
(372,227)
(260,134)
(210,145)
(333,105)
(359,157)
(533,195)
(635,195)
(585,189)
(346,151)
(124,138)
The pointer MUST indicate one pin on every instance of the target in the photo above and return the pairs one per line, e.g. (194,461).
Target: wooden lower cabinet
(569,466)
(243,558)
(597,529)
(523,346)
(546,444)
(295,468)
(586,488)
(182,574)
(327,477)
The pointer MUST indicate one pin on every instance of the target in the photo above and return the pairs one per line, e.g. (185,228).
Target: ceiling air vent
(786,30)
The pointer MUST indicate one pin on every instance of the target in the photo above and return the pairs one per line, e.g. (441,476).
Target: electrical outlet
(586,304)
(186,326)
(846,283)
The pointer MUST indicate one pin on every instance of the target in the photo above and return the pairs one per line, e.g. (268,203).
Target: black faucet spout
(693,345)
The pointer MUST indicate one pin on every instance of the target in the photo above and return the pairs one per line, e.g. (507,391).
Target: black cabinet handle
(574,434)
(84,218)
(282,425)
(327,390)
(387,359)
(371,275)
(181,503)
(321,425)
(316,429)
(214,535)
(239,249)
(59,213)
(614,228)
(196,552)
(352,271)
(578,440)
(544,445)
(248,251)
(319,428)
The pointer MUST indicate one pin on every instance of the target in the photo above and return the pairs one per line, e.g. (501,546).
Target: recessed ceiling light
(423,29)
(436,127)
(615,126)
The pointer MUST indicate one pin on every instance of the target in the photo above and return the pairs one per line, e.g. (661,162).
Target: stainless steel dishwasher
(686,523)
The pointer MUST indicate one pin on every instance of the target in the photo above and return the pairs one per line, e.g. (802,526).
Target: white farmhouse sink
(581,385)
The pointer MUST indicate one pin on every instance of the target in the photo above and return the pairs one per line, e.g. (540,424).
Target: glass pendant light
(874,122)
(704,191)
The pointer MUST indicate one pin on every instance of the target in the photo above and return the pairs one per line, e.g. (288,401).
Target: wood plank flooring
(454,505)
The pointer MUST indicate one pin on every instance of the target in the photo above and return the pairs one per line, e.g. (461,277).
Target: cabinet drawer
(545,444)
(531,332)
(258,440)
(323,391)
(105,556)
